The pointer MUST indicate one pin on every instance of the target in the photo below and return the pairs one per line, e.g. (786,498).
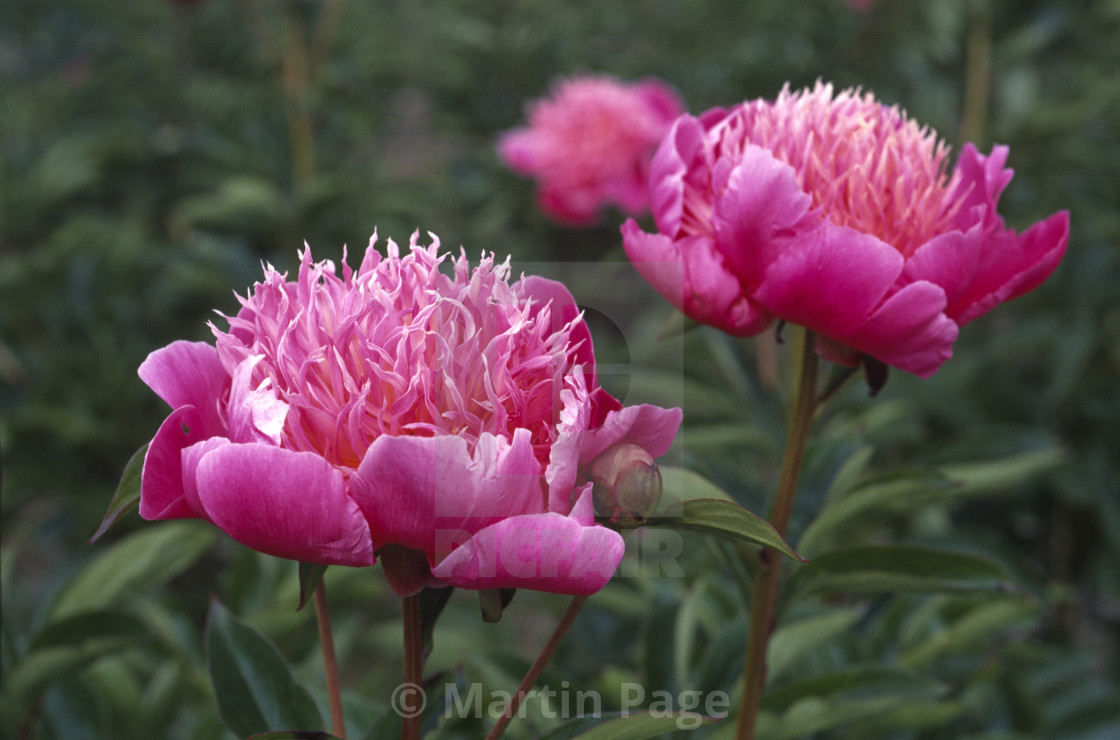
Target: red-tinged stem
(766,585)
(537,668)
(330,661)
(413,665)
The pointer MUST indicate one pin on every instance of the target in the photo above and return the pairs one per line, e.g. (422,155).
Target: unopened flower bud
(626,482)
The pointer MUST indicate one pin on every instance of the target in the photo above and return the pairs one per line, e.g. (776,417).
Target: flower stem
(535,670)
(765,595)
(330,661)
(413,663)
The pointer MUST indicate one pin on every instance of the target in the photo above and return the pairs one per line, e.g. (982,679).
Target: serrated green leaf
(144,559)
(890,568)
(721,518)
(310,575)
(254,687)
(127,496)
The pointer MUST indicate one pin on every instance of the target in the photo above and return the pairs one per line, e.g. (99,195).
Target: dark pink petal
(691,274)
(161,482)
(830,280)
(982,180)
(758,210)
(650,427)
(1012,265)
(189,374)
(422,492)
(544,552)
(682,150)
(283,503)
(909,331)
(948,260)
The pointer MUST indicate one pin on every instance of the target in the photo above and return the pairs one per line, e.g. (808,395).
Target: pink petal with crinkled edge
(283,503)
(189,374)
(1012,265)
(909,331)
(254,414)
(545,552)
(830,280)
(421,491)
(759,212)
(650,427)
(563,457)
(982,180)
(161,481)
(691,275)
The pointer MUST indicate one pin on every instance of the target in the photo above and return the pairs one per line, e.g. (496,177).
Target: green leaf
(103,624)
(143,560)
(310,575)
(293,735)
(432,601)
(635,726)
(794,641)
(892,568)
(127,496)
(681,484)
(255,689)
(908,491)
(858,682)
(64,647)
(722,519)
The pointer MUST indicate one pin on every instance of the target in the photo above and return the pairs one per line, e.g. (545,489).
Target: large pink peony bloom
(589,145)
(449,415)
(837,213)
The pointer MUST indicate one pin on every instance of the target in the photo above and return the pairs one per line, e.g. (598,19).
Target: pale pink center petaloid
(399,348)
(865,165)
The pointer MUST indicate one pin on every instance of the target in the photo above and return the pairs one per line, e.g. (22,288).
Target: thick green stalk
(765,595)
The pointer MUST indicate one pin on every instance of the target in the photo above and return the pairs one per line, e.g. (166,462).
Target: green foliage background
(146,169)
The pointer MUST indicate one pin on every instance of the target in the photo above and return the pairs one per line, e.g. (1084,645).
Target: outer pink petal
(830,280)
(517,149)
(189,374)
(948,260)
(162,495)
(909,331)
(428,492)
(283,503)
(544,552)
(1012,265)
(691,275)
(759,210)
(650,427)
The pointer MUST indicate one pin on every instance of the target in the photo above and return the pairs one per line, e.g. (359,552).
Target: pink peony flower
(589,145)
(403,410)
(837,213)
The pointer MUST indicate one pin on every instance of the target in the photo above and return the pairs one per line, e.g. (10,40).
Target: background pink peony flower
(838,213)
(590,143)
(434,418)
